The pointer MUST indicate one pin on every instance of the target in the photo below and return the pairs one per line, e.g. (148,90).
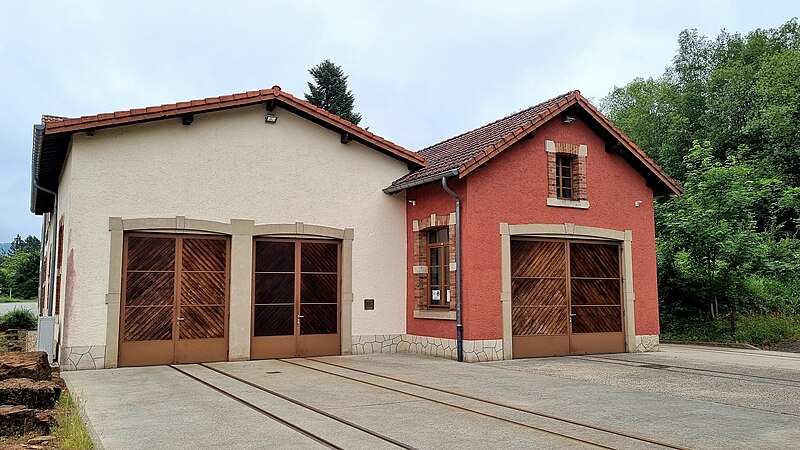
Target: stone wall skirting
(646,343)
(474,350)
(82,358)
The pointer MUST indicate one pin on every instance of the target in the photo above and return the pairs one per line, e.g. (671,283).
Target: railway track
(326,442)
(572,432)
(565,428)
(784,382)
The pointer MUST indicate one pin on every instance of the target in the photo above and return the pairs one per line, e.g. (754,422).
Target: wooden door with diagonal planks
(565,297)
(174,299)
(296,298)
(539,305)
(595,298)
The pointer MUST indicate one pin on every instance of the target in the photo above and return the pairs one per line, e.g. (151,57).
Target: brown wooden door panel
(296,298)
(596,319)
(539,292)
(148,323)
(566,297)
(175,299)
(204,274)
(147,327)
(150,253)
(594,260)
(538,259)
(589,343)
(596,298)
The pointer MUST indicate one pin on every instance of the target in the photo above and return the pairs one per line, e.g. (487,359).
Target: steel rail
(711,372)
(515,408)
(262,411)
(462,408)
(311,408)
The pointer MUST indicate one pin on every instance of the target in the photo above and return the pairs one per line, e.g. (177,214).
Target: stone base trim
(82,358)
(376,343)
(474,350)
(646,343)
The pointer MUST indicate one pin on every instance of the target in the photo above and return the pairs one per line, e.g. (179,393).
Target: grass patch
(70,434)
(71,431)
(754,329)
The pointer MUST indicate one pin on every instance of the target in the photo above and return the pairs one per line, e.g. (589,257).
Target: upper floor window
(439,268)
(564,172)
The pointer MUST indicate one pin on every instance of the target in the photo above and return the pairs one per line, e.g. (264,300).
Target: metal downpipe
(459,323)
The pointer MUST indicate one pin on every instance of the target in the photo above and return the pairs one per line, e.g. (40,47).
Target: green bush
(19,319)
(754,329)
(771,295)
(767,329)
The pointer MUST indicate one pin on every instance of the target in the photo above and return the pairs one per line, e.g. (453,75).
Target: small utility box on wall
(369,304)
(46,336)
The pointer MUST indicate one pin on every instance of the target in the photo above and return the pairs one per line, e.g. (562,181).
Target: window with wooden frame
(439,268)
(59,261)
(564,173)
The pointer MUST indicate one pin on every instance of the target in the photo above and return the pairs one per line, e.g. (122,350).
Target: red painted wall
(430,199)
(512,188)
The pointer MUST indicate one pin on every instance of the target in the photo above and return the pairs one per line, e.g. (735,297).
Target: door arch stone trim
(565,231)
(242,232)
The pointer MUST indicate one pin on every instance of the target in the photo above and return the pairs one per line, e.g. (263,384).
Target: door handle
(573,315)
(299,316)
(181,319)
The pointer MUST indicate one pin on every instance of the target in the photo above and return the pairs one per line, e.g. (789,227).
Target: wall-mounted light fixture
(271,118)
(568,119)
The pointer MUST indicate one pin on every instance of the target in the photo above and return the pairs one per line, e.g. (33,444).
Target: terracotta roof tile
(469,150)
(54,125)
(459,150)
(47,118)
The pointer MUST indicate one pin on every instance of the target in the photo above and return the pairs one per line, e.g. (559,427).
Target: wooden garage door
(296,298)
(174,300)
(566,298)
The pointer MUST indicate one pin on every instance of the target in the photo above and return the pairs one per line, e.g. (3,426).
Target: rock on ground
(16,420)
(30,393)
(32,365)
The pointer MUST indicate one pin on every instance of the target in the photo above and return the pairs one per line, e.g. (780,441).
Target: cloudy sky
(420,71)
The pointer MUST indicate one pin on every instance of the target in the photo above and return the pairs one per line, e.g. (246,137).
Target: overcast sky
(421,71)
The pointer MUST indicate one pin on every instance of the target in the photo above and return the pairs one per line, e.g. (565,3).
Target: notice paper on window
(436,294)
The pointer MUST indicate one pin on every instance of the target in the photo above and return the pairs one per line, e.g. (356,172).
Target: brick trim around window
(420,229)
(579,153)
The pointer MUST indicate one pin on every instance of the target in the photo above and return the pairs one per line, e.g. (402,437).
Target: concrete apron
(154,407)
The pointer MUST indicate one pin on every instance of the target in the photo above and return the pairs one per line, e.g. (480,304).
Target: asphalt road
(6,307)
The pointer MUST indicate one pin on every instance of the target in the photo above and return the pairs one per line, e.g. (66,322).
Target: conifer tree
(329,91)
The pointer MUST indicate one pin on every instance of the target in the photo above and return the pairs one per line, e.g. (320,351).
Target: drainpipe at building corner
(459,323)
(53,248)
(38,131)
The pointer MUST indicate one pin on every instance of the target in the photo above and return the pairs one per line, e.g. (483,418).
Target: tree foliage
(724,120)
(329,91)
(19,268)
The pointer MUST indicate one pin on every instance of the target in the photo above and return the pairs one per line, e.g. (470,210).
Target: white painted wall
(230,164)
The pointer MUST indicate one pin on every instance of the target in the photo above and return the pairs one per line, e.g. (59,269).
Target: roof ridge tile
(508,116)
